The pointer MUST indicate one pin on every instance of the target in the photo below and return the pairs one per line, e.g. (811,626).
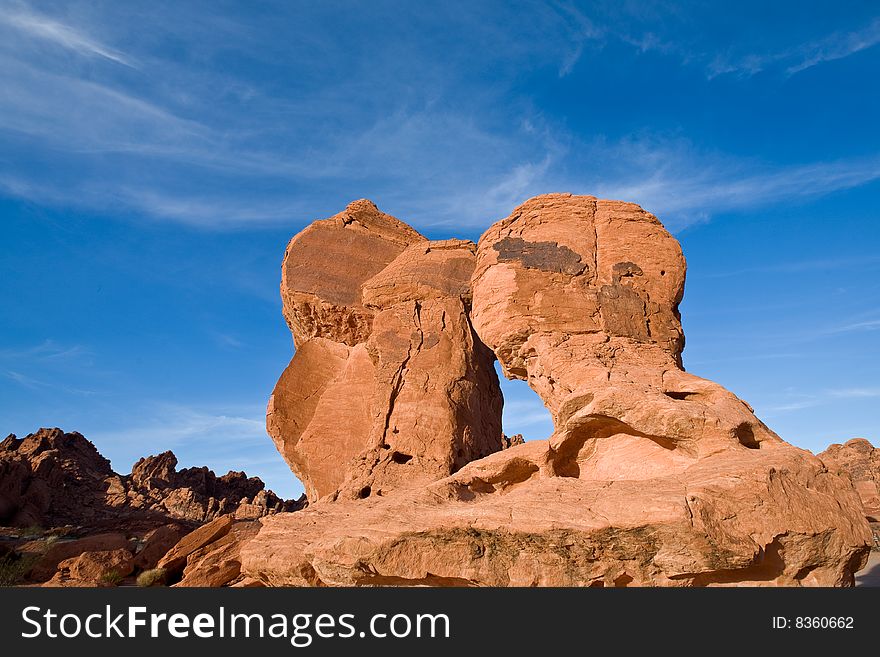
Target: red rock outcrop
(219,563)
(175,559)
(61,551)
(389,385)
(51,478)
(859,460)
(653,476)
(156,545)
(100,568)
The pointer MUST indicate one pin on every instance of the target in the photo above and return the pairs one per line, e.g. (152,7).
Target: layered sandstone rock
(175,559)
(759,518)
(219,563)
(653,476)
(156,545)
(389,386)
(52,478)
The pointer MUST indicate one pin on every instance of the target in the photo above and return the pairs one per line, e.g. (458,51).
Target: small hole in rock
(674,394)
(398,457)
(523,410)
(746,436)
(662,273)
(623,580)
(364,492)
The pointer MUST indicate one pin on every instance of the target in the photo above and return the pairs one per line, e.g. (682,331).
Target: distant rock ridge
(52,478)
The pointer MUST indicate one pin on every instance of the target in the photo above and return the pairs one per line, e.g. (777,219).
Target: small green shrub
(30,532)
(111,578)
(14,569)
(154,577)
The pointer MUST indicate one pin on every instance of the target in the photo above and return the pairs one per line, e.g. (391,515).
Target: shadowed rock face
(389,385)
(653,476)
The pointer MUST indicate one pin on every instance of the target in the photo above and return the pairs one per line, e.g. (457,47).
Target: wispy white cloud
(227,340)
(32,383)
(690,186)
(823,397)
(207,149)
(855,393)
(67,36)
(526,415)
(173,424)
(47,351)
(797,266)
(793,406)
(837,45)
(866,325)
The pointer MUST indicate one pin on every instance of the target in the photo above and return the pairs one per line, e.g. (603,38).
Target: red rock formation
(197,494)
(859,460)
(99,568)
(389,385)
(50,560)
(175,559)
(51,478)
(653,476)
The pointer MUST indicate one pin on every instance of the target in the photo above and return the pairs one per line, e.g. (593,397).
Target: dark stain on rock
(623,312)
(546,256)
(625,270)
(431,340)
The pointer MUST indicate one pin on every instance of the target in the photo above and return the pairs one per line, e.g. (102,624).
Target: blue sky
(155,157)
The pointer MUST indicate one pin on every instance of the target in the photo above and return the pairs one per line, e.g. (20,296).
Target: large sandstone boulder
(579,297)
(100,568)
(389,386)
(156,544)
(653,476)
(218,563)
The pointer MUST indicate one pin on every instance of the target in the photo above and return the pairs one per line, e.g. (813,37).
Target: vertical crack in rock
(400,374)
